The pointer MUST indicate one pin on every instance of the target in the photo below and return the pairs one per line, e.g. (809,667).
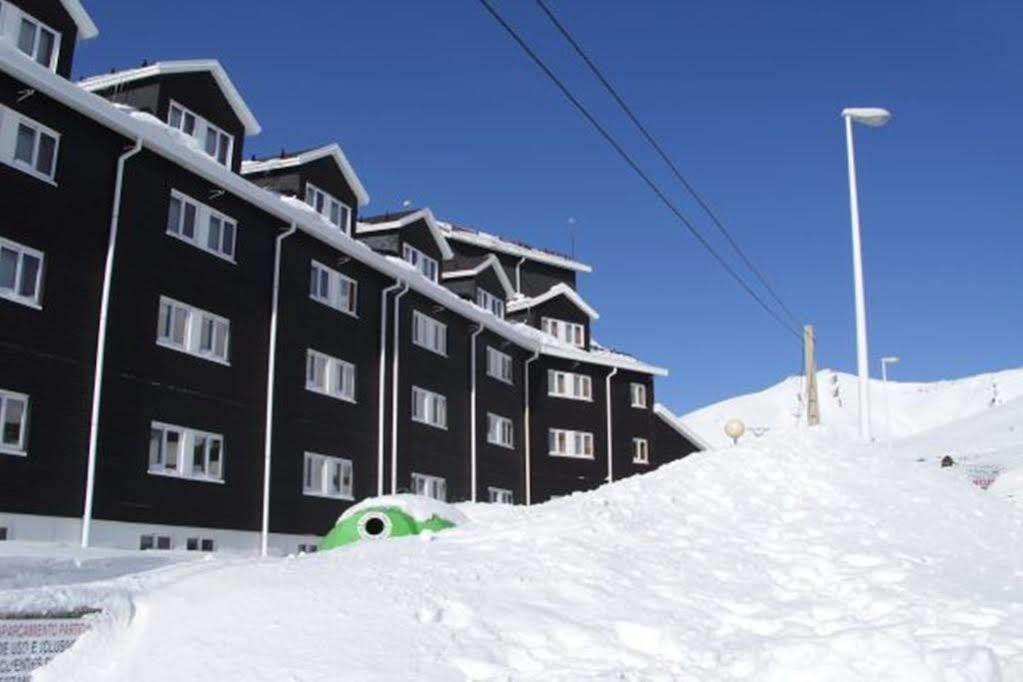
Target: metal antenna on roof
(571,236)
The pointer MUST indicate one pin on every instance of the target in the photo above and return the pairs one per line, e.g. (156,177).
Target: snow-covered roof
(490,261)
(333,151)
(159,138)
(406,220)
(212,66)
(559,289)
(495,243)
(672,420)
(86,28)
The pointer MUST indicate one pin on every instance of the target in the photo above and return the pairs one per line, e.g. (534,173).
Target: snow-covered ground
(796,559)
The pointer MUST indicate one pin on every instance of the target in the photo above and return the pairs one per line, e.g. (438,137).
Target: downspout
(101,343)
(525,424)
(518,275)
(396,351)
(271,365)
(472,409)
(610,445)
(380,389)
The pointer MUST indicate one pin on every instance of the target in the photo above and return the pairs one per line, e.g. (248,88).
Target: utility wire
(664,156)
(635,167)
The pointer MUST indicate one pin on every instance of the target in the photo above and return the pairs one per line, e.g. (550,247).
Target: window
(329,375)
(327,477)
(201,226)
(564,443)
(569,332)
(186,453)
(32,37)
(637,393)
(500,430)
(306,548)
(154,542)
(190,330)
(501,495)
(424,264)
(499,365)
(429,408)
(215,142)
(429,333)
(430,486)
(195,544)
(335,212)
(488,301)
(569,385)
(640,451)
(13,423)
(28,146)
(21,273)
(331,288)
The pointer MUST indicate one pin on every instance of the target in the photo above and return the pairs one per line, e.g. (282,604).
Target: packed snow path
(783,562)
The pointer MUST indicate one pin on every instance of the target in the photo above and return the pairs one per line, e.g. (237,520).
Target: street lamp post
(875,118)
(885,361)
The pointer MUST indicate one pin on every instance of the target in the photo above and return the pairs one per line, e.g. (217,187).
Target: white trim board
(495,243)
(333,151)
(490,261)
(86,27)
(560,289)
(212,66)
(422,214)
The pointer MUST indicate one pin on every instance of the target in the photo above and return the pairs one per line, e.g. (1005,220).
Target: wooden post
(813,411)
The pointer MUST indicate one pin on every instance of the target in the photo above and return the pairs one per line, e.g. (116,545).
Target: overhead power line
(664,156)
(636,168)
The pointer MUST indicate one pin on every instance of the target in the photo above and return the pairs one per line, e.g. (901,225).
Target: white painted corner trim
(332,151)
(560,289)
(490,261)
(424,214)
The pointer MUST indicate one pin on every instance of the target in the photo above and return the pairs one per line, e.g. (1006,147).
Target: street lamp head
(890,359)
(871,116)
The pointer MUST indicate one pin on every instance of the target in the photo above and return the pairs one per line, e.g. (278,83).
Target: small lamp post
(734,428)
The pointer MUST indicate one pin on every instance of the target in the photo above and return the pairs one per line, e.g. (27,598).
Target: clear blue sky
(433,103)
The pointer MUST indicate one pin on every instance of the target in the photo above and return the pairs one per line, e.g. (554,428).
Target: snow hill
(800,559)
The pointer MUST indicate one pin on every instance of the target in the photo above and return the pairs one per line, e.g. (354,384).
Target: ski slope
(783,560)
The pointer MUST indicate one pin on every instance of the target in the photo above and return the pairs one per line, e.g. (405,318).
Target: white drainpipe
(518,275)
(101,343)
(472,408)
(610,446)
(396,351)
(264,533)
(381,384)
(525,424)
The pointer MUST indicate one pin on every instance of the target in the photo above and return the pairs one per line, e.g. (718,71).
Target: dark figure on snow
(947,461)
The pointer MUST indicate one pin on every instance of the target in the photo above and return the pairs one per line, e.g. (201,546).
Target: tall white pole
(862,366)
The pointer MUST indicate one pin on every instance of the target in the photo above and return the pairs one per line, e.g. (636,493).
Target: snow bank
(803,560)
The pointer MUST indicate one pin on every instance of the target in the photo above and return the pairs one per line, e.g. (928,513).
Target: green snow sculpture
(382,521)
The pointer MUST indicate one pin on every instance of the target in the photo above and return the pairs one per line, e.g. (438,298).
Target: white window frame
(429,333)
(21,251)
(640,451)
(195,324)
(19,449)
(427,266)
(338,376)
(326,286)
(185,456)
(500,495)
(500,431)
(499,364)
(569,385)
(637,394)
(434,487)
(202,226)
(434,411)
(11,18)
(201,131)
(570,332)
(571,444)
(326,466)
(487,301)
(327,201)
(10,123)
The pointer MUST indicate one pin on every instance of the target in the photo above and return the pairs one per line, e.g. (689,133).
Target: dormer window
(215,141)
(488,301)
(424,264)
(569,332)
(338,214)
(35,39)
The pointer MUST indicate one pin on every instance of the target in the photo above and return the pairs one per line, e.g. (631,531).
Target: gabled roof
(494,243)
(212,66)
(300,159)
(86,28)
(676,423)
(375,224)
(559,289)
(490,261)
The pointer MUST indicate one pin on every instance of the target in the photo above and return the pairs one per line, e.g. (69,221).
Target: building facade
(227,354)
